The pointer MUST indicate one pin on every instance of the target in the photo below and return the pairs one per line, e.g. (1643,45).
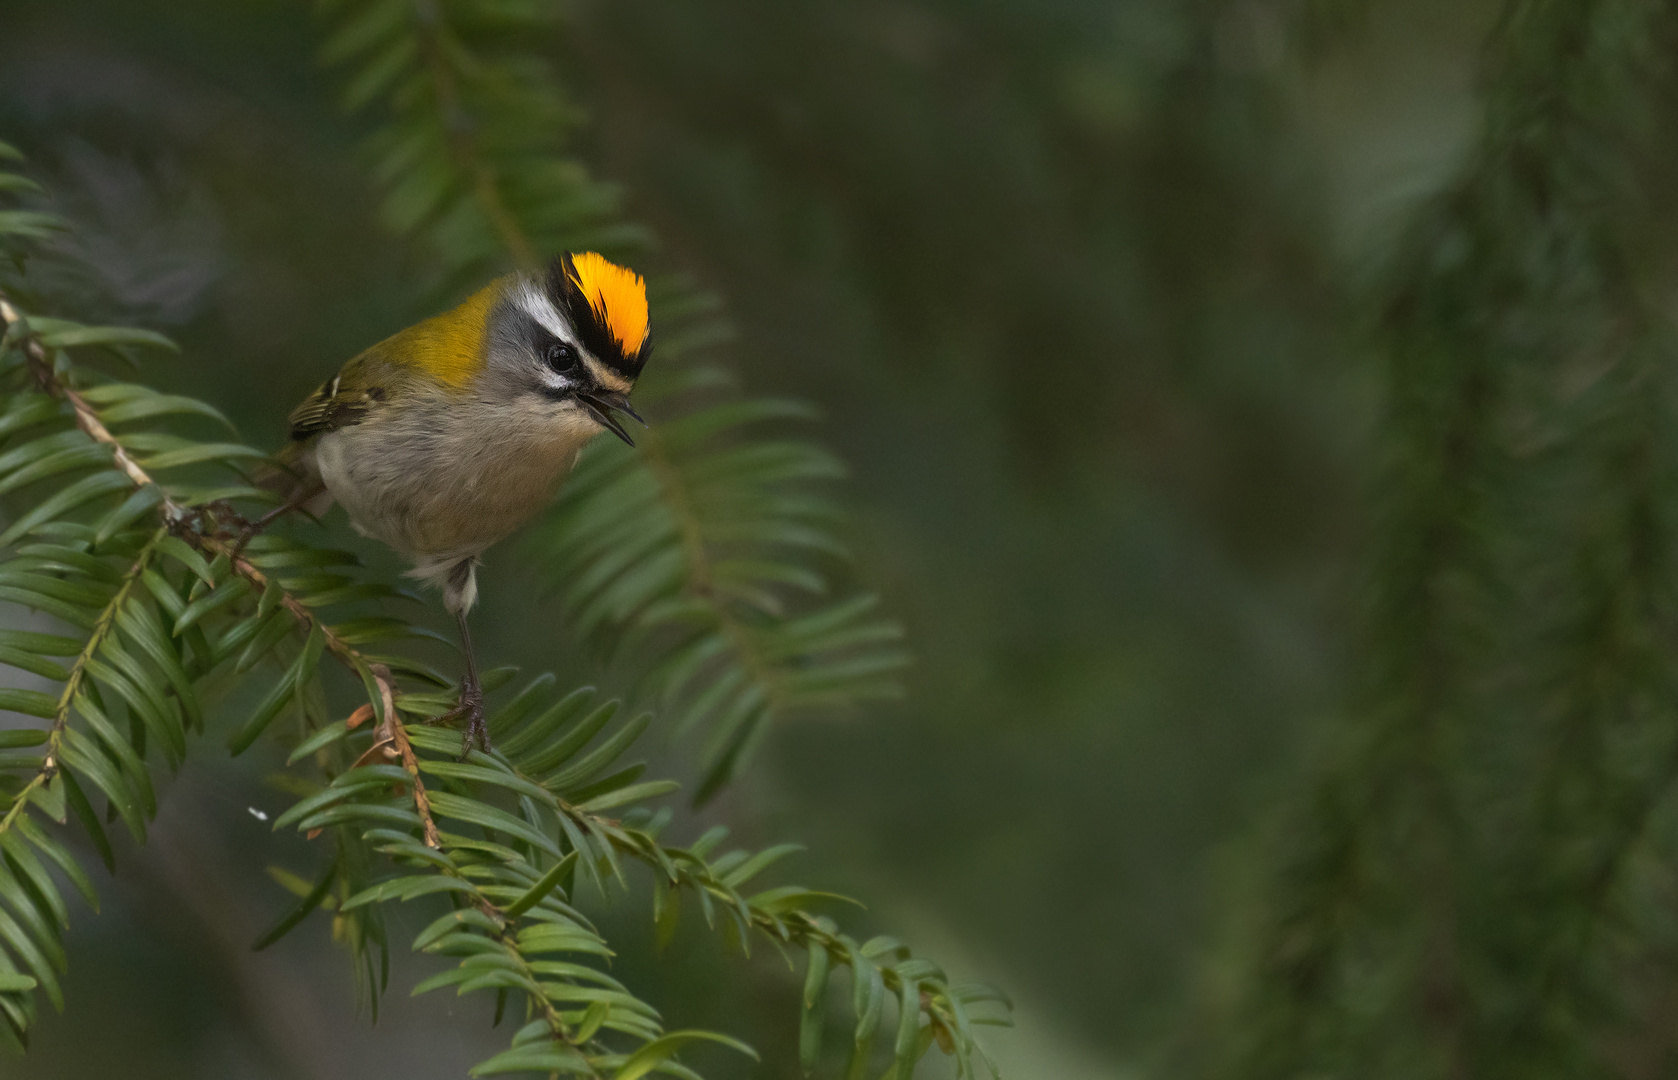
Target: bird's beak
(602,402)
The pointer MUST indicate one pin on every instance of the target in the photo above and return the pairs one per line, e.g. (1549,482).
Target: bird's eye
(561,357)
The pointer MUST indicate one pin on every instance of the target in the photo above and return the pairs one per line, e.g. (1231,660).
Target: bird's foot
(215,520)
(471,710)
(248,531)
(219,521)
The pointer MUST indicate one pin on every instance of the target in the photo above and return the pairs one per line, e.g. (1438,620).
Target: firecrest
(447,436)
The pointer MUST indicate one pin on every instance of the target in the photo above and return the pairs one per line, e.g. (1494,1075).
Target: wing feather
(343,400)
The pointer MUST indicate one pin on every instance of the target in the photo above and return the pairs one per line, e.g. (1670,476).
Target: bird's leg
(471,706)
(460,590)
(251,529)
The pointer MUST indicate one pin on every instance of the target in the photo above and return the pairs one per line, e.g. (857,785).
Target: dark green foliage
(1478,883)
(125,531)
(535,832)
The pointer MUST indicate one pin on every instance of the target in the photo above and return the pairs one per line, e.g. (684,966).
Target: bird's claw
(248,531)
(470,709)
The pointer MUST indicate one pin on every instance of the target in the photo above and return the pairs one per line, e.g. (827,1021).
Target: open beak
(602,402)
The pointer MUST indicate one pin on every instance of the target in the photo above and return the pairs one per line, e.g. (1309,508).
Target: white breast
(444,480)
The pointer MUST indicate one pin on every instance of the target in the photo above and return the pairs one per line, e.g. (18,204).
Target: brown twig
(346,653)
(175,516)
(395,735)
(392,744)
(40,365)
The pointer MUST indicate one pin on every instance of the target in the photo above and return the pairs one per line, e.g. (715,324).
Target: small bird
(447,436)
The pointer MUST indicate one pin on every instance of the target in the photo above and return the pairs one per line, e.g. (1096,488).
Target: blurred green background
(1073,285)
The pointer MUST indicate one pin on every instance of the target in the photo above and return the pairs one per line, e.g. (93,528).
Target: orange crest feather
(617,294)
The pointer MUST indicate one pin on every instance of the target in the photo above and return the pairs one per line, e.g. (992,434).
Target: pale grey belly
(437,489)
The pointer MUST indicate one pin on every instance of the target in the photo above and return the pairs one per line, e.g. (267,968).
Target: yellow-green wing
(343,400)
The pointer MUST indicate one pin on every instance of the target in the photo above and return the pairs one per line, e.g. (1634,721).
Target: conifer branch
(78,673)
(175,516)
(157,578)
(86,418)
(1524,607)
(460,128)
